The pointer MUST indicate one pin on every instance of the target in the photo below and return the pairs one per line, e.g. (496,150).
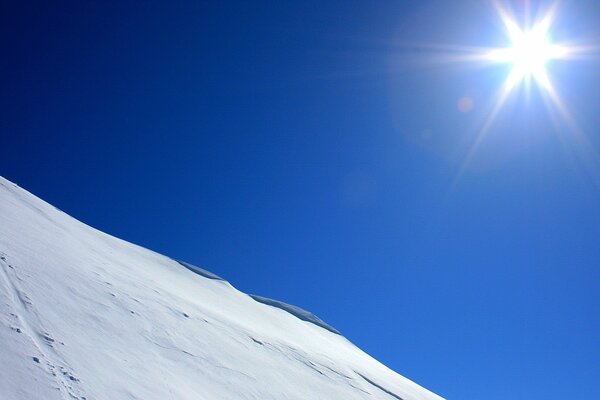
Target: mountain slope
(84,315)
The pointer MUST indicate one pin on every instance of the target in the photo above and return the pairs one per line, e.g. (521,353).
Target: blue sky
(313,152)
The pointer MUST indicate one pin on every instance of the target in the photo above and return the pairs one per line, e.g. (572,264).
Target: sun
(530,51)
(529,54)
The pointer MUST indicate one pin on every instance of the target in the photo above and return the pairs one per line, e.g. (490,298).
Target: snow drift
(84,315)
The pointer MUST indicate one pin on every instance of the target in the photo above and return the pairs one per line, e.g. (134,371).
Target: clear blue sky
(307,152)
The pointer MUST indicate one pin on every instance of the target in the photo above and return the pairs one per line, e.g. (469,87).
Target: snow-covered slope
(84,315)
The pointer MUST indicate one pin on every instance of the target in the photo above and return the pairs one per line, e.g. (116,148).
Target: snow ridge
(296,312)
(201,271)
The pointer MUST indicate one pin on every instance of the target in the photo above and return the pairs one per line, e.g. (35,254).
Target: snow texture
(87,316)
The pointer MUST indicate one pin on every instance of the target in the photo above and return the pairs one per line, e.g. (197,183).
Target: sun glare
(530,51)
(529,54)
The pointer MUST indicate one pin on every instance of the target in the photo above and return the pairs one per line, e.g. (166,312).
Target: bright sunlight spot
(531,49)
(529,53)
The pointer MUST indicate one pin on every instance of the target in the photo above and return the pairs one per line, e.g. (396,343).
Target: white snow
(84,315)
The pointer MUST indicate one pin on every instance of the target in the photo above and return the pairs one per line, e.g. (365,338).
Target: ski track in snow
(30,324)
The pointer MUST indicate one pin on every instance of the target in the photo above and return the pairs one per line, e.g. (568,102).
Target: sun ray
(503,96)
(545,23)
(511,26)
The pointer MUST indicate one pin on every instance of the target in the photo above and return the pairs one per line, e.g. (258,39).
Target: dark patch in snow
(68,375)
(49,340)
(186,315)
(37,360)
(296,312)
(256,341)
(379,387)
(200,271)
(312,366)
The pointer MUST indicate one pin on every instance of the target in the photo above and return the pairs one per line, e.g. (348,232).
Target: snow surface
(84,315)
